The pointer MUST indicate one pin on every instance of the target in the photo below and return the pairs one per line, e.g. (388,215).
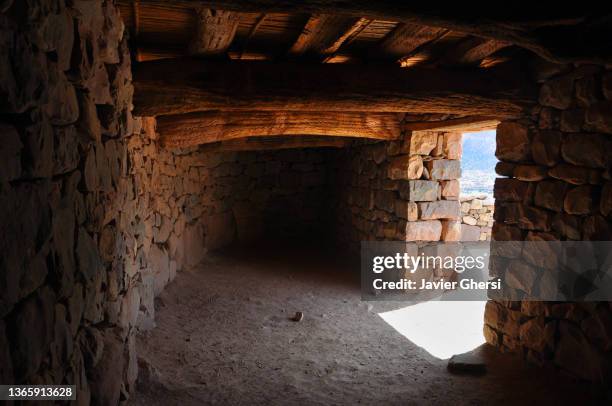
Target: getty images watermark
(503,270)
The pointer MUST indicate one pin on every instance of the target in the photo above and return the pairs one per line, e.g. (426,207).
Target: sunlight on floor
(441,328)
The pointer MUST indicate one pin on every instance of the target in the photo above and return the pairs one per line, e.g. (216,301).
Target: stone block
(406,209)
(538,334)
(452,145)
(451,230)
(572,121)
(442,209)
(567,226)
(420,142)
(469,220)
(385,200)
(579,200)
(530,173)
(532,218)
(599,117)
(575,175)
(558,92)
(405,167)
(510,190)
(550,194)
(444,169)
(588,150)
(419,190)
(521,275)
(546,147)
(430,230)
(503,319)
(450,189)
(513,142)
(470,233)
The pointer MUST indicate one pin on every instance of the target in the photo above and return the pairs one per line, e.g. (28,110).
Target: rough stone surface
(444,169)
(513,143)
(573,142)
(423,230)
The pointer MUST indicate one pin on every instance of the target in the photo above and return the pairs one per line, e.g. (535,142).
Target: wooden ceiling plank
(565,34)
(407,38)
(190,129)
(472,51)
(192,84)
(215,31)
(261,18)
(323,35)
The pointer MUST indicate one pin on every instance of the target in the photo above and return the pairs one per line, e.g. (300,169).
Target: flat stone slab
(469,363)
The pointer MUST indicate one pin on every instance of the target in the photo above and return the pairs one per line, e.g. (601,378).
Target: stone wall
(556,186)
(97,218)
(405,190)
(67,308)
(476,218)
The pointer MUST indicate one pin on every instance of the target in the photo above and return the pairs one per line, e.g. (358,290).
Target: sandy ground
(224,336)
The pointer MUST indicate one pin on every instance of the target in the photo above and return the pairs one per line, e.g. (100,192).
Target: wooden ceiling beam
(564,33)
(215,31)
(324,34)
(192,84)
(462,124)
(184,130)
(276,143)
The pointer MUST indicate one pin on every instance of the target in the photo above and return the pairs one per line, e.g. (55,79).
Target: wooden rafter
(407,38)
(191,84)
(261,18)
(215,31)
(472,51)
(564,34)
(190,129)
(323,35)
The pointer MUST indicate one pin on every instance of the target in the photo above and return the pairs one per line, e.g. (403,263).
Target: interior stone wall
(556,185)
(406,190)
(67,305)
(97,218)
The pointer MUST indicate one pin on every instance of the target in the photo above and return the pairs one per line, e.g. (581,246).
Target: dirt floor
(224,336)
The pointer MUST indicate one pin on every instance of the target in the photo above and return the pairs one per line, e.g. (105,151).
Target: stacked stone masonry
(97,218)
(556,185)
(476,218)
(406,190)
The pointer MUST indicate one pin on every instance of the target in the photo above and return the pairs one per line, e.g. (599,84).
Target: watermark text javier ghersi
(426,265)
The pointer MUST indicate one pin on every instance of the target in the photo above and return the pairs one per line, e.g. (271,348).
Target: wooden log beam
(190,84)
(276,143)
(564,33)
(324,34)
(215,31)
(190,129)
(462,124)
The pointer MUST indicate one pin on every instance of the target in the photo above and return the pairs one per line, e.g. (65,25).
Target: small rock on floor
(299,316)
